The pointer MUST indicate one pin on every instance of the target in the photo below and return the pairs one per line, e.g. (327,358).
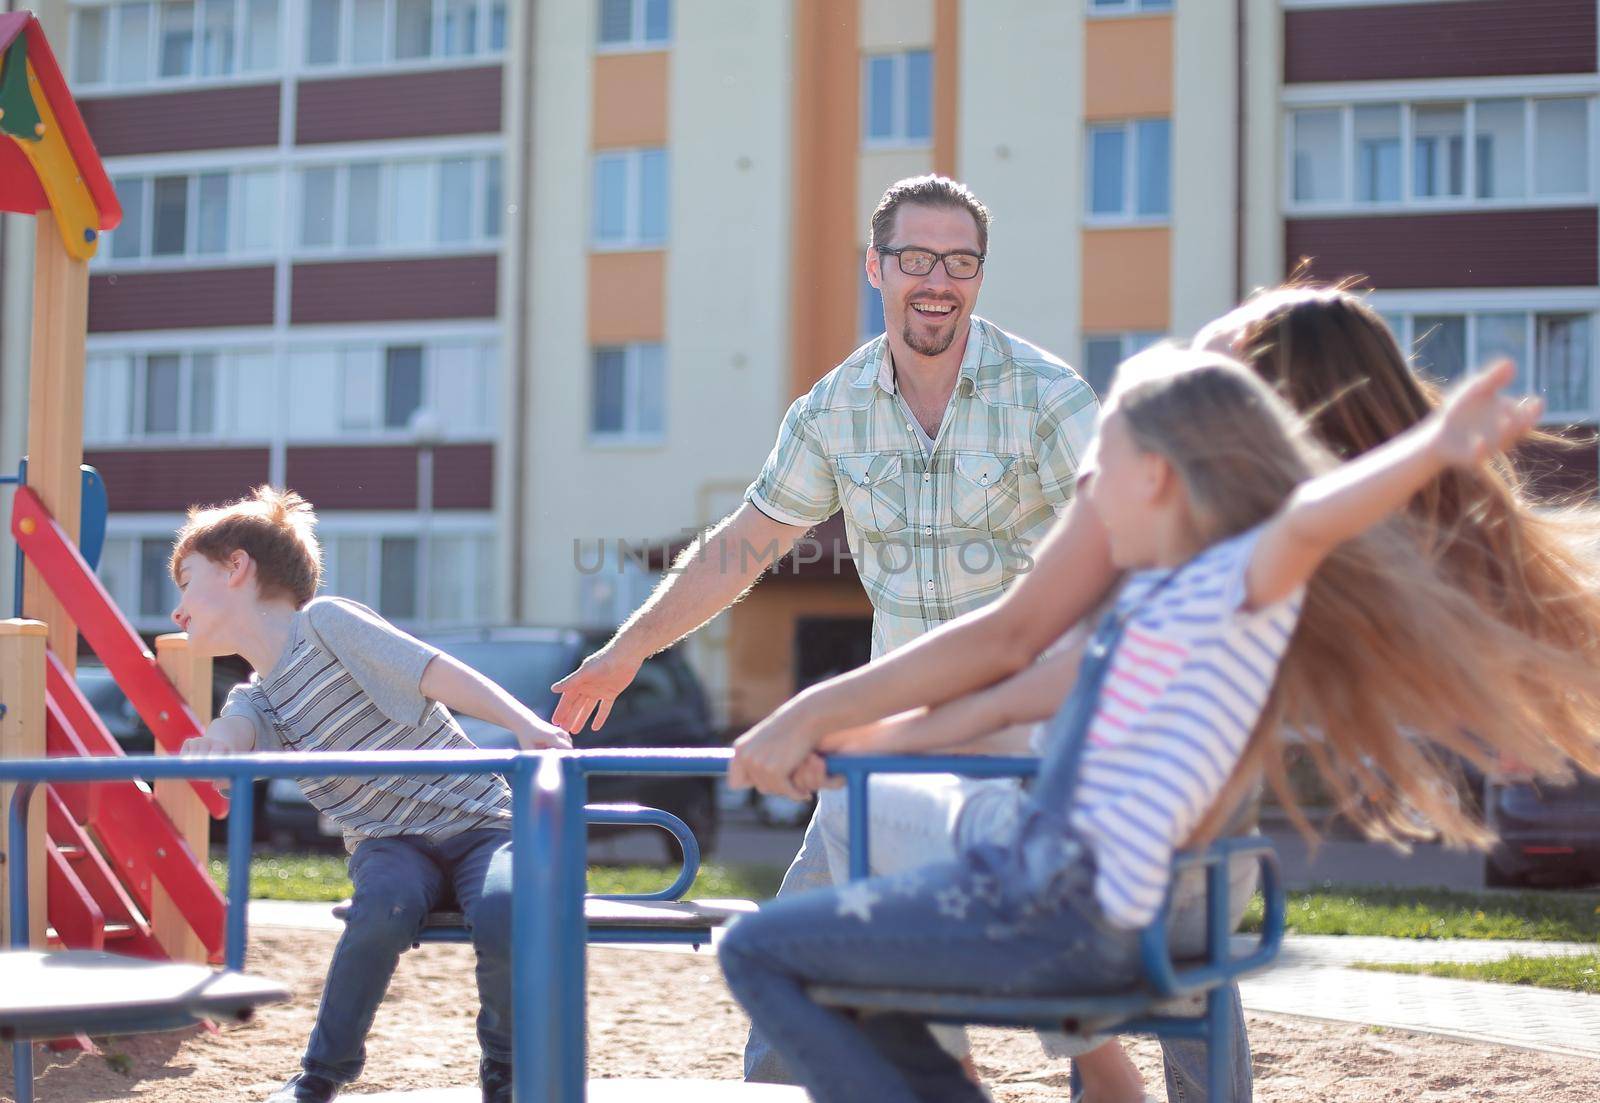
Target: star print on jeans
(857,900)
(986,888)
(953,901)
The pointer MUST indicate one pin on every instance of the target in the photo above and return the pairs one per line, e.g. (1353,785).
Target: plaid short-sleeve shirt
(934,535)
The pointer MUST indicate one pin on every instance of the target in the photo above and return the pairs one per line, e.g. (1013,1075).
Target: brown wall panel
(463,476)
(188,298)
(1549,248)
(395,290)
(385,476)
(171,480)
(166,122)
(402,105)
(1475,38)
(1127,279)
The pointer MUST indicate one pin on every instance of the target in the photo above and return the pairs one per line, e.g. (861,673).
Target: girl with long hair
(1205,485)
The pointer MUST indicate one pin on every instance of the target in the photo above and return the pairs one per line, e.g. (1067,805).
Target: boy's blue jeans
(944,927)
(398,881)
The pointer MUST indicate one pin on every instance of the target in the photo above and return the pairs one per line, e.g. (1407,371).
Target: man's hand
(533,734)
(594,687)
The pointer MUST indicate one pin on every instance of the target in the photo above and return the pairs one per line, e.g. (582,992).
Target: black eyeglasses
(919,262)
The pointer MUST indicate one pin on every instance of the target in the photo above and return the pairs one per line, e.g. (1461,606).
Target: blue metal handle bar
(1220,964)
(858,769)
(625,815)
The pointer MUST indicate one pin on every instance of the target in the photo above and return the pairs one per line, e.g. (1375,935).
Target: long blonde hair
(1394,668)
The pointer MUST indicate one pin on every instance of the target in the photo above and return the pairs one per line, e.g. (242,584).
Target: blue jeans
(953,926)
(398,881)
(910,826)
(809,870)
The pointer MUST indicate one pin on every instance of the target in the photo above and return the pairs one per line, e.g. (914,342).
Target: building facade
(517,292)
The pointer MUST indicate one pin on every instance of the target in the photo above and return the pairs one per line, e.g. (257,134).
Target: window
(1124,7)
(628,399)
(158,594)
(1102,353)
(373,389)
(199,216)
(1427,154)
(898,107)
(630,198)
(387,572)
(638,24)
(361,33)
(871,308)
(1553,351)
(186,394)
(139,42)
(1130,170)
(401,206)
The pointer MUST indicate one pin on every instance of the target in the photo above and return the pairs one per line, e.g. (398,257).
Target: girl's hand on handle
(1478,420)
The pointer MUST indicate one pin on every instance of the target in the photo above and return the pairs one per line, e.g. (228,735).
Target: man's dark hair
(928,191)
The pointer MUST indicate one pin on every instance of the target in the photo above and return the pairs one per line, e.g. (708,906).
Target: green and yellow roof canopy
(47,160)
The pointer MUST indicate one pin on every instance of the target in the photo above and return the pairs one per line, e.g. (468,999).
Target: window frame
(147,171)
(1129,215)
(344,63)
(1129,341)
(630,435)
(113,13)
(900,91)
(638,40)
(1407,307)
(478,241)
(1123,9)
(632,239)
(1409,202)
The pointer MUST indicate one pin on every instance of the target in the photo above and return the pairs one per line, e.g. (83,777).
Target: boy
(332,675)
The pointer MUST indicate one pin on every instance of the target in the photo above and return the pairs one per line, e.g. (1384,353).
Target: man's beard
(927,346)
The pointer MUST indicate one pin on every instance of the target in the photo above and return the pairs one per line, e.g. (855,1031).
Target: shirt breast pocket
(873,491)
(985,493)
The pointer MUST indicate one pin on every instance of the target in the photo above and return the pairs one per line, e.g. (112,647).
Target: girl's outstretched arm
(967,724)
(1474,422)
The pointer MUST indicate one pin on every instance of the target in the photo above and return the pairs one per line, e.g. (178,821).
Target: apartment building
(575,258)
(305,288)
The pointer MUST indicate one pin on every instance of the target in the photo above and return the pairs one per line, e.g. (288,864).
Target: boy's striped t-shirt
(1181,696)
(351,681)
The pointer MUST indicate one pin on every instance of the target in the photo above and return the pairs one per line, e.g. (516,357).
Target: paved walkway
(1312,979)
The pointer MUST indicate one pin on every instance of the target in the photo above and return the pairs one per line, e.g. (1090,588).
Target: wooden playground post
(22,736)
(55,413)
(191,674)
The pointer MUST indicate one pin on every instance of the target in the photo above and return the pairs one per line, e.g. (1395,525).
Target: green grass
(322,878)
(1435,913)
(1575,973)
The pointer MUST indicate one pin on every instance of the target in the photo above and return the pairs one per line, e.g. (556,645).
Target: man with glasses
(949,444)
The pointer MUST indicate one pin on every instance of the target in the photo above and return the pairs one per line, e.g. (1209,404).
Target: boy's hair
(928,191)
(275,528)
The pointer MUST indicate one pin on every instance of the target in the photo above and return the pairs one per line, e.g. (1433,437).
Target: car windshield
(524,668)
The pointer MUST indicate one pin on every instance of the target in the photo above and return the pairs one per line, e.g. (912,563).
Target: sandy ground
(666,1015)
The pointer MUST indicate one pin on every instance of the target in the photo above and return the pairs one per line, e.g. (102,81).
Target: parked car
(1548,834)
(664,707)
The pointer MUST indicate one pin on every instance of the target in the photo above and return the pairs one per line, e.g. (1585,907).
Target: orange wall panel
(761,652)
(627,297)
(946,84)
(1128,67)
(1127,279)
(630,100)
(826,241)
